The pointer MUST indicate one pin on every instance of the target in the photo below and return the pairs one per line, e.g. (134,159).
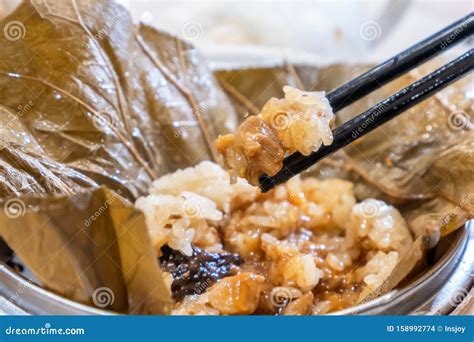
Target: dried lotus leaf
(24,172)
(81,244)
(426,163)
(93,97)
(405,265)
(25,169)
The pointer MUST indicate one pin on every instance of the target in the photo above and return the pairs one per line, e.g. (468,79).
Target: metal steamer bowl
(437,291)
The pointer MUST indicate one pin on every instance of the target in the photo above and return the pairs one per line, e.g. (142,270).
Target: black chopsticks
(390,107)
(401,63)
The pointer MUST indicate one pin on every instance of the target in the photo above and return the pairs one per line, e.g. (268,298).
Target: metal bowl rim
(446,258)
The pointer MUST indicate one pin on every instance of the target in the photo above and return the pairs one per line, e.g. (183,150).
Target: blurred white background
(316,31)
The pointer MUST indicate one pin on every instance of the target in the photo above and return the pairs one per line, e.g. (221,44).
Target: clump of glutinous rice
(184,207)
(306,247)
(196,273)
(301,121)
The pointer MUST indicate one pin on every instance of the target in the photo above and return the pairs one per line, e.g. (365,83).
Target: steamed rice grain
(308,240)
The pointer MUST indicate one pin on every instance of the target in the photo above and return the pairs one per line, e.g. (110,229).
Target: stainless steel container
(436,292)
